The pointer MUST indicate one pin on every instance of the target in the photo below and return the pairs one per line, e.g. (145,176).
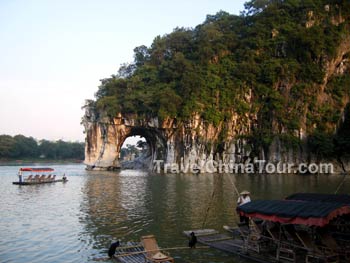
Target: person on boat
(244,197)
(64,178)
(193,240)
(20,177)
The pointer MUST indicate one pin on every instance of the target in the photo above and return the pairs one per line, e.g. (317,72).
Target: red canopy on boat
(36,169)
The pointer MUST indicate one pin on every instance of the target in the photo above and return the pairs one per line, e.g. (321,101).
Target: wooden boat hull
(40,182)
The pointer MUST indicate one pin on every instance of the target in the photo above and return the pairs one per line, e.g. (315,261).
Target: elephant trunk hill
(271,84)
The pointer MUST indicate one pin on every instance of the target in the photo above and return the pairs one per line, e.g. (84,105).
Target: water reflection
(75,222)
(130,204)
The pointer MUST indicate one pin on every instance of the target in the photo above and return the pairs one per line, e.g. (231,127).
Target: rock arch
(170,141)
(104,139)
(155,141)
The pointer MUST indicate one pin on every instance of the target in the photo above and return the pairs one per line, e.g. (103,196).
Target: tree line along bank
(22,147)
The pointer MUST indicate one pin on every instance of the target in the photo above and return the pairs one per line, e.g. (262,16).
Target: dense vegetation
(22,147)
(268,62)
(133,151)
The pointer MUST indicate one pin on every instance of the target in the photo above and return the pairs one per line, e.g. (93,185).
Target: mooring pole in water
(341,183)
(209,205)
(233,184)
(212,197)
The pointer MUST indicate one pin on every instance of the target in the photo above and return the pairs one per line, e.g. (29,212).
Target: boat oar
(156,250)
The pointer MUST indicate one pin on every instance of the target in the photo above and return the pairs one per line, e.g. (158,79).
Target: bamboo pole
(219,239)
(156,250)
(128,247)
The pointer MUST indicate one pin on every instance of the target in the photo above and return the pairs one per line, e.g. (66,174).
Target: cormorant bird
(193,240)
(112,248)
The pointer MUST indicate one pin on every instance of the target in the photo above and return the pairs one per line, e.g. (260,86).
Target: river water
(76,221)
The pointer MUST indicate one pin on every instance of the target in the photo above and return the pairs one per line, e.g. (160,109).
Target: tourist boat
(30,176)
(304,227)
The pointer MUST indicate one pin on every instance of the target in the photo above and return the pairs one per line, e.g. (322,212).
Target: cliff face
(193,142)
(105,137)
(271,86)
(188,143)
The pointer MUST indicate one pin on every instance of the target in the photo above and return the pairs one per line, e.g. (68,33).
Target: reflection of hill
(111,203)
(179,202)
(129,204)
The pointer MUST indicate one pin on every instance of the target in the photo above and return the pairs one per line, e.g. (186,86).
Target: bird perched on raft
(193,240)
(112,248)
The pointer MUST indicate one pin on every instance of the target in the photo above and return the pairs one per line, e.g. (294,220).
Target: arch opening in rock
(135,153)
(147,145)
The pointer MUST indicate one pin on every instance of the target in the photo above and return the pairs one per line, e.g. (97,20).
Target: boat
(145,251)
(39,175)
(303,227)
(341,225)
(130,252)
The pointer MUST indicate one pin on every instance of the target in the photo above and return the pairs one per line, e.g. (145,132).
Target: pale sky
(53,54)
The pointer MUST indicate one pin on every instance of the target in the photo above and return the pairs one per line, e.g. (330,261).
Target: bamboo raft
(132,252)
(41,176)
(228,242)
(304,227)
(39,182)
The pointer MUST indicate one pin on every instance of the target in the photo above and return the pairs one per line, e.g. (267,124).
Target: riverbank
(5,162)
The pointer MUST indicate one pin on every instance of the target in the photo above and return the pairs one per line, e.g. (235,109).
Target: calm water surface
(76,221)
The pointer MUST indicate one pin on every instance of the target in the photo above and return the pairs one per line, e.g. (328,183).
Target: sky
(53,54)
